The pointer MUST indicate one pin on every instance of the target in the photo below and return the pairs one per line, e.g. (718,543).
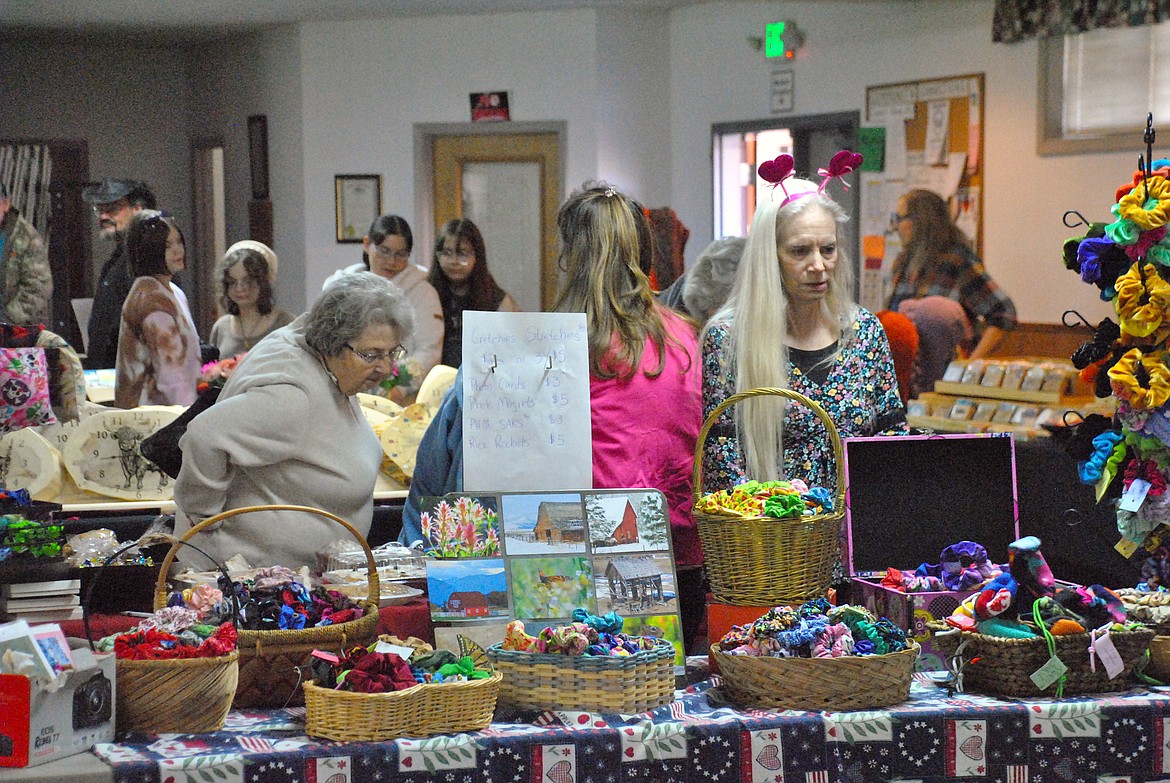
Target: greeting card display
(541,556)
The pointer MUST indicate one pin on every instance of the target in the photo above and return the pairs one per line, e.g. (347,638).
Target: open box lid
(909,497)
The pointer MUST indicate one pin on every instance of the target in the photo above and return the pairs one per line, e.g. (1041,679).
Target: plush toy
(1028,577)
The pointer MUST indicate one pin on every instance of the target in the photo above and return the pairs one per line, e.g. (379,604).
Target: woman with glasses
(460,275)
(157,360)
(941,285)
(245,277)
(287,428)
(386,252)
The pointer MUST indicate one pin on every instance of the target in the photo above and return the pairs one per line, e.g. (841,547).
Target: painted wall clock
(103,454)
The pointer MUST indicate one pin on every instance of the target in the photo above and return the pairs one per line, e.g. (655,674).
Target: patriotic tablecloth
(932,737)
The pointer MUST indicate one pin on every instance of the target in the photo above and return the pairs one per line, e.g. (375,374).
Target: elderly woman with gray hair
(287,428)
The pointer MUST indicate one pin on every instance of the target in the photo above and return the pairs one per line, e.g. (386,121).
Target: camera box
(38,725)
(910,497)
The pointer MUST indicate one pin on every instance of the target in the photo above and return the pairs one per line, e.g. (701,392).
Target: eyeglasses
(397,255)
(899,218)
(377,357)
(465,256)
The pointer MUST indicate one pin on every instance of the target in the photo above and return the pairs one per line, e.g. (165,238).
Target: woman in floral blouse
(790,322)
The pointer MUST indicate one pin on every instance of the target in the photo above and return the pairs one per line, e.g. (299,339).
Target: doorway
(738,148)
(507,178)
(208,242)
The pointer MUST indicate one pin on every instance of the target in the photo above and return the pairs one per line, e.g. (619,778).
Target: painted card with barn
(550,587)
(627,522)
(467,589)
(634,584)
(543,523)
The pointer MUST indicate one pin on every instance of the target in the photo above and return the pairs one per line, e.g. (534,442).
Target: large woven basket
(421,711)
(270,660)
(991,664)
(851,682)
(548,681)
(183,696)
(764,561)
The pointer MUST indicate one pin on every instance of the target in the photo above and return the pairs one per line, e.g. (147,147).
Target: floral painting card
(461,526)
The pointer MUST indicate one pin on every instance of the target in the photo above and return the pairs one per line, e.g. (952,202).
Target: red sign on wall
(489,107)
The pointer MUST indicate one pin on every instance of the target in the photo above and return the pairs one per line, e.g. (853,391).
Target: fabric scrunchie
(1122,232)
(1142,380)
(1091,469)
(1142,300)
(1148,205)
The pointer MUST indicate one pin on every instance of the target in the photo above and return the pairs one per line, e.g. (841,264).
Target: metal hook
(1145,183)
(1064,319)
(1079,216)
(495,363)
(549,367)
(1064,418)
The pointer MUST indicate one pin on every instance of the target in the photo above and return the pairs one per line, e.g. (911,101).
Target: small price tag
(402,652)
(1126,547)
(1049,673)
(1102,646)
(1134,496)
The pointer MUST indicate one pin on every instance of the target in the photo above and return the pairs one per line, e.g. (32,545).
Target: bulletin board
(933,139)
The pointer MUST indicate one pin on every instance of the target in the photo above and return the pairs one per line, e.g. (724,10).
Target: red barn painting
(470,603)
(627,531)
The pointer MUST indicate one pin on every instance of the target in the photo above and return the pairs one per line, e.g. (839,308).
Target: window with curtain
(1097,87)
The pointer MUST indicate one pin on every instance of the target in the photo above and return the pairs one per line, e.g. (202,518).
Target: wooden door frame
(424,184)
(203,299)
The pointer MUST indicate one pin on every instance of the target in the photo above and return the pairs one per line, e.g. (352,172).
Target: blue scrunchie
(290,620)
(1089,253)
(606,623)
(821,497)
(1090,470)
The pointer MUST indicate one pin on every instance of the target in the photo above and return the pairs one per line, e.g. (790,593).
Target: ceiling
(209,18)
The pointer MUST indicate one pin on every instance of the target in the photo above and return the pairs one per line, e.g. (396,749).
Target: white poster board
(526,422)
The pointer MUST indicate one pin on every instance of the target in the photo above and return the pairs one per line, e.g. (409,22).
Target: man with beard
(115,201)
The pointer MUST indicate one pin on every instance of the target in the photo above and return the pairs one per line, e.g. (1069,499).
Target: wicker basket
(852,682)
(421,711)
(269,660)
(764,561)
(547,681)
(1004,665)
(182,696)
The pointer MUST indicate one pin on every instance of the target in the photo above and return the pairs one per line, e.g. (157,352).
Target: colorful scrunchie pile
(269,602)
(577,638)
(779,499)
(962,566)
(146,643)
(815,630)
(22,536)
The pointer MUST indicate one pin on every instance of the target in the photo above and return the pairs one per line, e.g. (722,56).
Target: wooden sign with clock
(103,453)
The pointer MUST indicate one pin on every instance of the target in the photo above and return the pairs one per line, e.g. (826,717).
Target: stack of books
(41,602)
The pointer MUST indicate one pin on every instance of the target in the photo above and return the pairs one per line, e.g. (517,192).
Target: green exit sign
(774,40)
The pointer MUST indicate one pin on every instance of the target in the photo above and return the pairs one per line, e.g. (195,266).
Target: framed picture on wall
(358,199)
(258,155)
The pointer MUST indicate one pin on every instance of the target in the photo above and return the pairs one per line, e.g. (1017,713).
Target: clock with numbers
(28,461)
(103,453)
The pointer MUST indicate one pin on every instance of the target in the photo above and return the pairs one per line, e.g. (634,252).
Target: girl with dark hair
(460,276)
(386,252)
(940,284)
(158,349)
(244,280)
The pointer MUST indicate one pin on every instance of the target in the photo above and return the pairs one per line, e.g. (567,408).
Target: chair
(82,307)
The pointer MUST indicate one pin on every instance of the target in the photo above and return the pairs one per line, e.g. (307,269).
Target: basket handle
(160,588)
(767,391)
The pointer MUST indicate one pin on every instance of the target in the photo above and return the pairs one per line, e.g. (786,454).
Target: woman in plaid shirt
(936,271)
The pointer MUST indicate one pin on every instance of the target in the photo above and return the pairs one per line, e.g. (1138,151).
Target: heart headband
(781,168)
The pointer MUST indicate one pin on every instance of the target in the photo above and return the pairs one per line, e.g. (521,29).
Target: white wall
(128,100)
(717,77)
(258,74)
(366,83)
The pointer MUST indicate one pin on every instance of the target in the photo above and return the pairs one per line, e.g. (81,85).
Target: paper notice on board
(938,132)
(893,119)
(526,425)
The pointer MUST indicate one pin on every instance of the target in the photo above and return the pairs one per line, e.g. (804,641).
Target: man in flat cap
(26,283)
(115,201)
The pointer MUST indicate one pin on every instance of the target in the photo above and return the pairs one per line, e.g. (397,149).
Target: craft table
(930,738)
